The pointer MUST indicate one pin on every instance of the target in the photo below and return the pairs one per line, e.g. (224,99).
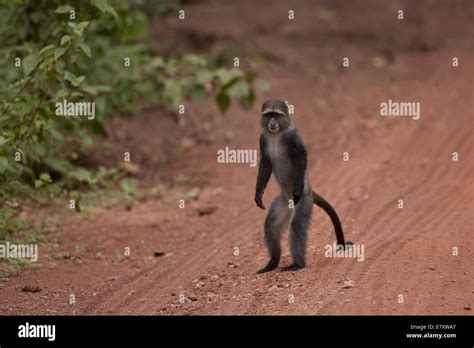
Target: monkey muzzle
(273,126)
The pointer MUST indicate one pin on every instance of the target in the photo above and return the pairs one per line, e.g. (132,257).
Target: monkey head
(275,116)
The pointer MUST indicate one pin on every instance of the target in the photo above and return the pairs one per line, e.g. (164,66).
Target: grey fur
(280,213)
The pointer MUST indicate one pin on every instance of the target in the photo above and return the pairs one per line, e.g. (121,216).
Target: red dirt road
(408,251)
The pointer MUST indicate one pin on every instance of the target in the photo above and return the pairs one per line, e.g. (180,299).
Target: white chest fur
(274,148)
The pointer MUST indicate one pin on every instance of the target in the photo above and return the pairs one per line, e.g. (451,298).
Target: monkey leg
(276,220)
(299,232)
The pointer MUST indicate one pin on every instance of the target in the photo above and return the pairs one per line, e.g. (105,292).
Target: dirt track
(407,251)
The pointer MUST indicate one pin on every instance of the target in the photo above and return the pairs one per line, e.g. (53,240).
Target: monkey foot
(269,267)
(291,268)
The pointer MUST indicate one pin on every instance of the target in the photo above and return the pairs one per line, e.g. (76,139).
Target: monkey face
(275,116)
(273,126)
(274,122)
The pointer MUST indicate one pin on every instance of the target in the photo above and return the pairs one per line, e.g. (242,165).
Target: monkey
(283,153)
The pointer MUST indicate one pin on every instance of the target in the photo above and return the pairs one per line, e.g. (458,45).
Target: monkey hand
(296,197)
(258,200)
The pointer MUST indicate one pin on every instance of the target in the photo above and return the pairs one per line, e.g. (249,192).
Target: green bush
(54,50)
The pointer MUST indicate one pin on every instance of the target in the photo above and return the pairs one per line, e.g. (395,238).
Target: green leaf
(230,83)
(62,93)
(95,89)
(172,92)
(239,89)
(128,186)
(3,164)
(29,64)
(204,76)
(227,76)
(45,49)
(104,6)
(45,177)
(97,127)
(3,140)
(59,67)
(244,92)
(81,174)
(65,39)
(77,95)
(85,48)
(69,75)
(59,165)
(64,9)
(247,100)
(75,80)
(59,52)
(38,183)
(223,101)
(78,28)
(194,61)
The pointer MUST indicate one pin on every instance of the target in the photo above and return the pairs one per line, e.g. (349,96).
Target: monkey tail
(322,203)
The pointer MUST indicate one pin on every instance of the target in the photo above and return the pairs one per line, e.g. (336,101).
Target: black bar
(290,330)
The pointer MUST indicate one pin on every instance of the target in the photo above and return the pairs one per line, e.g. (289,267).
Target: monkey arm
(264,173)
(299,157)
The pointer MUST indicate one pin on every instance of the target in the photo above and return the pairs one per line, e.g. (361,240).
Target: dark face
(274,122)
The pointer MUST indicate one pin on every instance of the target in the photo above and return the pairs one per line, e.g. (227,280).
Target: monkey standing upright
(283,152)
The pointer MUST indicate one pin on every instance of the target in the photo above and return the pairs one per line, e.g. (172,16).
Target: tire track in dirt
(376,252)
(119,298)
(445,206)
(379,277)
(164,282)
(431,215)
(200,264)
(381,252)
(440,216)
(424,212)
(440,289)
(383,218)
(378,217)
